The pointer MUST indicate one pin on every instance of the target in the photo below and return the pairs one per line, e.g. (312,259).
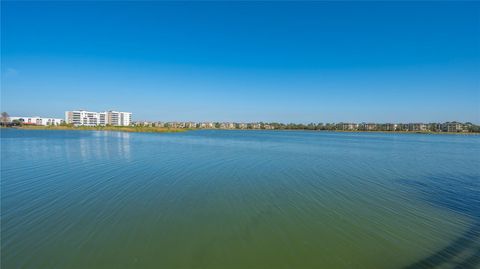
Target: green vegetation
(134,129)
(4,118)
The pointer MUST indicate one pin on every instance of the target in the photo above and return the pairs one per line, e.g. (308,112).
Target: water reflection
(464,251)
(104,145)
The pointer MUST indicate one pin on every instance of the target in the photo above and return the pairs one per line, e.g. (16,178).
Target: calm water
(239,199)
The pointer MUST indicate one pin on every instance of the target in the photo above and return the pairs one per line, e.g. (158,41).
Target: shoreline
(341,131)
(142,129)
(405,132)
(128,129)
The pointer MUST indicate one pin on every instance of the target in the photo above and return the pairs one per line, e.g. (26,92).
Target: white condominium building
(82,117)
(119,118)
(89,118)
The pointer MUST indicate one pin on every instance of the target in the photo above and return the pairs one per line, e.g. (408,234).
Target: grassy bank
(132,129)
(146,129)
(346,131)
(407,132)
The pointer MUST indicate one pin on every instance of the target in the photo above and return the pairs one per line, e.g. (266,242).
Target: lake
(239,199)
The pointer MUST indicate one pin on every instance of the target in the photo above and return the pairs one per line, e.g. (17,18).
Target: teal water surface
(239,199)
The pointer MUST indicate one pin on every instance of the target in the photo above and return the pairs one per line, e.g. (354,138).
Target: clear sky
(244,61)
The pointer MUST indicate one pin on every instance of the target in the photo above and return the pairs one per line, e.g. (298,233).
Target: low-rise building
(452,127)
(417,127)
(190,125)
(390,127)
(159,124)
(347,126)
(367,126)
(435,127)
(144,123)
(37,120)
(172,125)
(256,126)
(242,126)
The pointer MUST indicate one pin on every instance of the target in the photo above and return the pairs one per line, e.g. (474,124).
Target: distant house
(417,127)
(175,125)
(206,125)
(143,123)
(256,126)
(368,126)
(452,127)
(347,126)
(390,127)
(190,125)
(242,126)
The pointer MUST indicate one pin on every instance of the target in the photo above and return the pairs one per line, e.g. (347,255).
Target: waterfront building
(452,127)
(37,120)
(118,118)
(346,126)
(402,127)
(390,127)
(143,123)
(417,127)
(102,118)
(190,125)
(227,125)
(435,127)
(90,118)
(82,117)
(368,127)
(242,126)
(256,126)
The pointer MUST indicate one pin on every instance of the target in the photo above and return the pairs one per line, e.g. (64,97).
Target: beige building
(367,127)
(417,127)
(347,126)
(452,127)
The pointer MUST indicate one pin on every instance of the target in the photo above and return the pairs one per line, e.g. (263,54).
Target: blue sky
(244,61)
